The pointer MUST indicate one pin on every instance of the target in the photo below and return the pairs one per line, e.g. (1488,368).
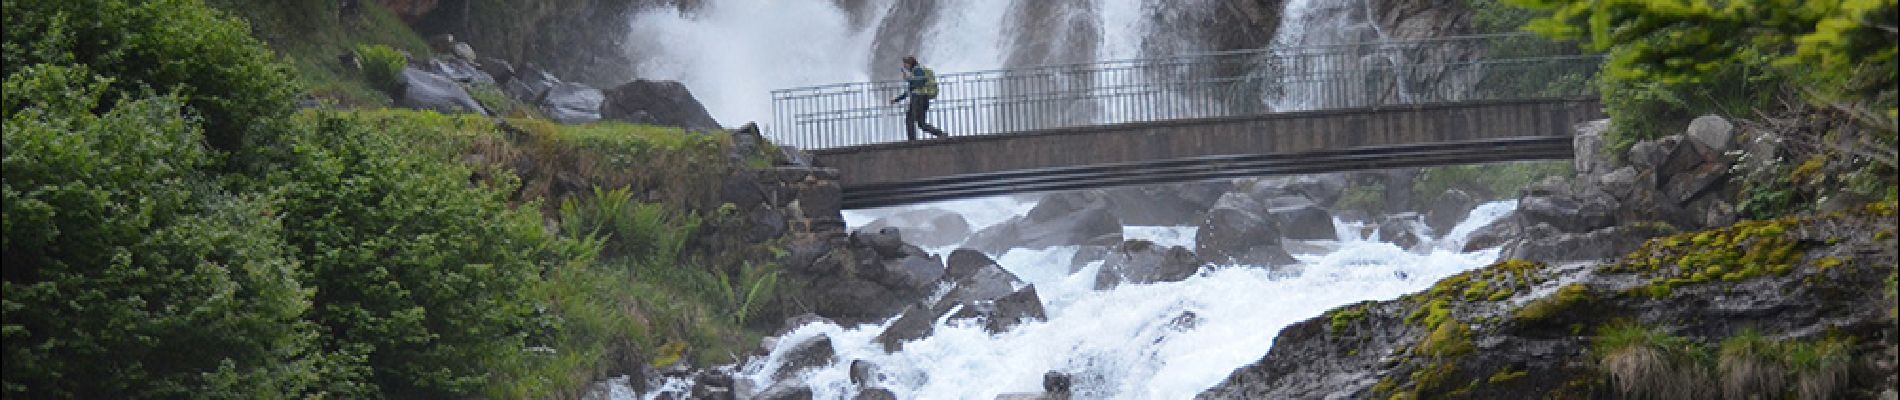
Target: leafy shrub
(425,277)
(382,66)
(129,273)
(165,46)
(648,232)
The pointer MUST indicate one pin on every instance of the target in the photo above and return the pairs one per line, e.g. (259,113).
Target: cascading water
(1162,340)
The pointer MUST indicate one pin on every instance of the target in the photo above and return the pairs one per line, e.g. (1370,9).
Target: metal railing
(1223,84)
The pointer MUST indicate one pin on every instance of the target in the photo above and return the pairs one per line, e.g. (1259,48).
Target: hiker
(923,87)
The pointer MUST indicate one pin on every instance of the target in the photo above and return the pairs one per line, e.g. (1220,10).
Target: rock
(853,300)
(1689,185)
(1234,234)
(463,50)
(1547,244)
(988,283)
(572,103)
(785,391)
(1620,183)
(912,272)
(1713,132)
(1298,218)
(1591,158)
(1402,230)
(962,263)
(863,372)
(460,70)
(1163,205)
(1324,189)
(875,394)
(1057,383)
(1497,233)
(1568,212)
(813,352)
(1687,157)
(887,241)
(1022,306)
(797,158)
(916,322)
(1142,262)
(501,70)
(1448,210)
(928,227)
(426,91)
(713,385)
(800,320)
(1648,154)
(1055,221)
(529,84)
(666,103)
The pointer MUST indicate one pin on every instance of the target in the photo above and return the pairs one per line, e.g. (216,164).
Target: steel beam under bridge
(1186,150)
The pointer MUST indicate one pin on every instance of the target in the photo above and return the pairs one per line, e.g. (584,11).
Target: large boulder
(1402,230)
(1055,221)
(665,103)
(572,103)
(1497,233)
(929,227)
(858,300)
(1141,261)
(459,70)
(1321,188)
(812,352)
(529,84)
(1544,243)
(1164,205)
(1005,312)
(1566,210)
(963,263)
(1299,218)
(912,272)
(915,322)
(1232,233)
(426,91)
(1448,209)
(984,284)
(1713,132)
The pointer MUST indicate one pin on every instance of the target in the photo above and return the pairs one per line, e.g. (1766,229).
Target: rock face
(426,91)
(1532,335)
(1233,233)
(665,103)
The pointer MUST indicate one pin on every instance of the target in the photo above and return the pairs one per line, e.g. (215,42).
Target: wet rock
(813,352)
(1141,262)
(1568,211)
(987,283)
(912,272)
(800,320)
(501,70)
(928,227)
(965,262)
(1547,244)
(1299,218)
(1448,210)
(713,385)
(875,394)
(785,391)
(1068,220)
(1232,233)
(461,71)
(1163,205)
(916,322)
(1495,234)
(1402,230)
(863,372)
(1057,383)
(1323,189)
(1016,308)
(572,103)
(529,84)
(426,91)
(858,300)
(666,103)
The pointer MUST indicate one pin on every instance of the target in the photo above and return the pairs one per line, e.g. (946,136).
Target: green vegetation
(382,66)
(173,230)
(1368,198)
(1342,318)
(1819,75)
(1548,307)
(1647,362)
(1484,181)
(312,36)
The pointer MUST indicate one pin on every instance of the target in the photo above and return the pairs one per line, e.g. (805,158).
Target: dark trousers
(919,107)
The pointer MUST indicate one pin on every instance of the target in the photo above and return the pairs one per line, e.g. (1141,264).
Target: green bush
(423,275)
(129,273)
(164,46)
(647,232)
(382,67)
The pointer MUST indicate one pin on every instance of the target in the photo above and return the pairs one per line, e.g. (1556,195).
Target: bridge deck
(1208,148)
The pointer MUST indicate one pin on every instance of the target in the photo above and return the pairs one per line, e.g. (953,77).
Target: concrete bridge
(1198,117)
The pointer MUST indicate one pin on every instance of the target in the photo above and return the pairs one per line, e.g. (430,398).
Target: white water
(1123,342)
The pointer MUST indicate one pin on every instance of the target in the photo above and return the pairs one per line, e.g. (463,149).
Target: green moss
(1449,339)
(1343,318)
(1548,307)
(1506,376)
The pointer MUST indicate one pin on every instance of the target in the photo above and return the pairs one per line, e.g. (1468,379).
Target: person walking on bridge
(922,88)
